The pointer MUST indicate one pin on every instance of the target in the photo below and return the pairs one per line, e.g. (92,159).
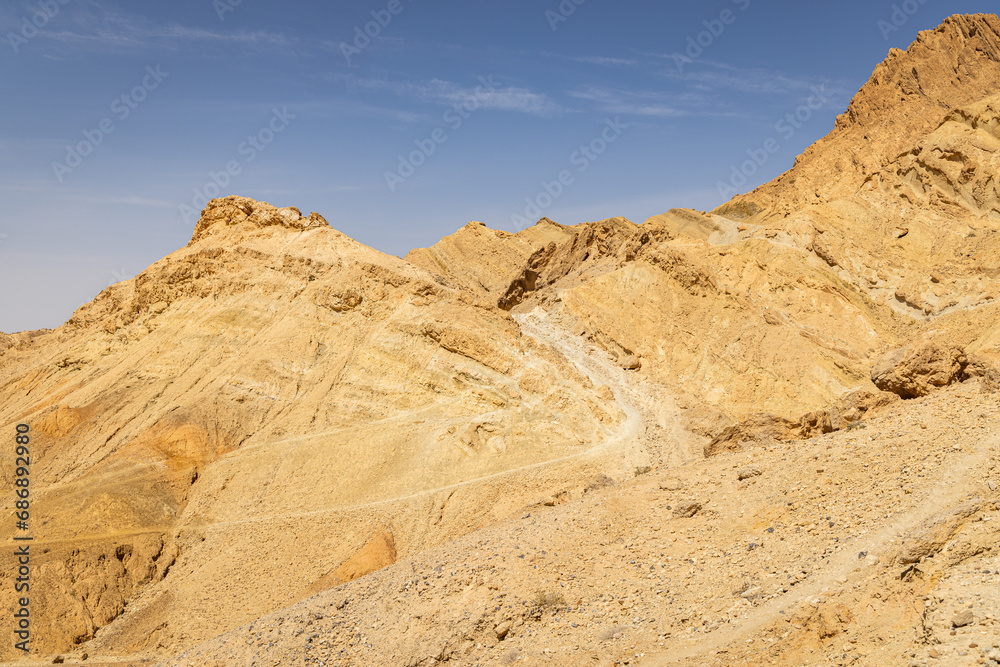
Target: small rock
(934,653)
(992,485)
(503,629)
(751,592)
(963,619)
(746,472)
(58,660)
(686,510)
(630,362)
(671,484)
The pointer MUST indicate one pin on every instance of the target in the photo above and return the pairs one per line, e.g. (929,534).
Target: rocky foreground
(875,545)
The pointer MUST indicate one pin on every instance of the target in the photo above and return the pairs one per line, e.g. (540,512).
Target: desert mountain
(274,381)
(784,311)
(571,445)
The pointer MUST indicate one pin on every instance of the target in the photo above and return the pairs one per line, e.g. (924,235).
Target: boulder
(918,369)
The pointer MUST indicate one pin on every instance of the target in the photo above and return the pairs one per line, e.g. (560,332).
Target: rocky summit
(761,435)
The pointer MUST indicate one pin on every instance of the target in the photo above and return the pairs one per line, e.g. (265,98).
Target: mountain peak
(228,213)
(940,67)
(908,95)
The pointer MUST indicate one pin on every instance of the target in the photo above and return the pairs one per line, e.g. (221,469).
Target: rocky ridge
(909,94)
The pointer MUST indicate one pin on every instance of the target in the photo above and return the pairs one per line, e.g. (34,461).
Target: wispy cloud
(622,101)
(437,91)
(594,60)
(95,28)
(713,76)
(507,99)
(610,62)
(704,87)
(337,107)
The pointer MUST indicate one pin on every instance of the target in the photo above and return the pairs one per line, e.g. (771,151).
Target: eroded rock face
(845,412)
(910,93)
(918,369)
(587,247)
(227,212)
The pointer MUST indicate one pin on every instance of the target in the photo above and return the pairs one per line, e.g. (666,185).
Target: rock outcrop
(908,95)
(918,369)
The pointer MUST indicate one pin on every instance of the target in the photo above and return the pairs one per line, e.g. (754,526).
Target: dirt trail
(646,408)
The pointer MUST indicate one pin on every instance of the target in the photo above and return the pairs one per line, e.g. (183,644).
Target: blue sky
(118,118)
